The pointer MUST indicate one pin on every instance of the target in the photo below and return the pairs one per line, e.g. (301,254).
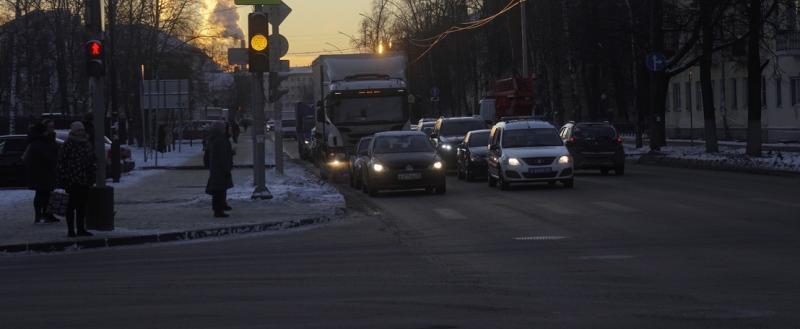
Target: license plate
(409,176)
(540,170)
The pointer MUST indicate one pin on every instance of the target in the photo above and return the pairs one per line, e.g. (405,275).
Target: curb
(198,167)
(666,161)
(57,246)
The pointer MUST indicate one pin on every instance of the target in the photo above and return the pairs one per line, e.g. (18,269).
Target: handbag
(58,203)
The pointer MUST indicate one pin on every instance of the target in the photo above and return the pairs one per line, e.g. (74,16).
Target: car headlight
(336,163)
(377,167)
(564,159)
(447,147)
(513,162)
(438,165)
(307,142)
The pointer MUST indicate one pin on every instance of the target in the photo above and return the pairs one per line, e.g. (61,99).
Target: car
(12,168)
(449,132)
(426,127)
(471,155)
(403,160)
(595,145)
(527,151)
(358,161)
(126,159)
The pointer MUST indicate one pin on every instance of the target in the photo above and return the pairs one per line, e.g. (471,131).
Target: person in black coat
(235,131)
(40,167)
(76,172)
(220,164)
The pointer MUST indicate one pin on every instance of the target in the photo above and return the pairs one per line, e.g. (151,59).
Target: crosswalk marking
(449,213)
(614,206)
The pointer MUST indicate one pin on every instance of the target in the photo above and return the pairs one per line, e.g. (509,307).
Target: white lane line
(777,202)
(540,238)
(614,206)
(606,257)
(449,213)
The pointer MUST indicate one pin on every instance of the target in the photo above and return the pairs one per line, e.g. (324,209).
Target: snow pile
(295,185)
(727,157)
(9,197)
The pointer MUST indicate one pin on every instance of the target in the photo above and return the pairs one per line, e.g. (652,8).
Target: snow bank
(728,157)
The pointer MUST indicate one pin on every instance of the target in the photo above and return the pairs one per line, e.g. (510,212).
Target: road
(658,248)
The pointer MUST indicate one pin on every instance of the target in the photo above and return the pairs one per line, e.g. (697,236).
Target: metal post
(691,115)
(275,67)
(524,24)
(144,118)
(259,173)
(99,131)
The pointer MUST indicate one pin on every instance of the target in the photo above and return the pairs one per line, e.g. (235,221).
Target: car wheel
(620,170)
(468,175)
(429,189)
(492,181)
(551,183)
(460,174)
(604,171)
(372,191)
(569,183)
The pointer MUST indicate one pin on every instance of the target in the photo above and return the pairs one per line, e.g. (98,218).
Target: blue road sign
(435,91)
(656,62)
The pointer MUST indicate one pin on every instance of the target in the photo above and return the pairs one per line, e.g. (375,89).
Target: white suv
(527,151)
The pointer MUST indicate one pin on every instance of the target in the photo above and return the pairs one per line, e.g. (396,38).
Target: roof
(524,124)
(479,131)
(462,119)
(401,133)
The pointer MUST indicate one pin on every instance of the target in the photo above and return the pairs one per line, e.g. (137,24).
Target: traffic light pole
(259,172)
(277,106)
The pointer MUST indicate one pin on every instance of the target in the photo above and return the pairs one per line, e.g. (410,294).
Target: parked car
(358,161)
(403,160)
(126,159)
(595,145)
(449,132)
(12,168)
(471,155)
(527,151)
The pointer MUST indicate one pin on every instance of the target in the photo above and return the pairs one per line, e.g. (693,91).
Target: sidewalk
(729,158)
(152,202)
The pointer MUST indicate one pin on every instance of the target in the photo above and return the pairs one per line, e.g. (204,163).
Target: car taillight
(573,139)
(618,139)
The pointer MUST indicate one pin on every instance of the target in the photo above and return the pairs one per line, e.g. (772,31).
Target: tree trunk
(709,112)
(754,80)
(658,80)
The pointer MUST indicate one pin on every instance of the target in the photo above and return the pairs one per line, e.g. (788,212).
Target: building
(298,85)
(780,91)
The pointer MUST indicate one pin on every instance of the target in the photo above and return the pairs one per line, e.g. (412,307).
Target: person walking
(220,164)
(235,131)
(76,171)
(40,166)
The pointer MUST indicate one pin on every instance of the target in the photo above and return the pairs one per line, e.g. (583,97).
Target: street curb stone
(56,246)
(655,159)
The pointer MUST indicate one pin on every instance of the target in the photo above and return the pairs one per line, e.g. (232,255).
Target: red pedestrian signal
(95,58)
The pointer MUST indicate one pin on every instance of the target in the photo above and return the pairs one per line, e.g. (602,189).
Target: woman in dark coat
(40,167)
(76,171)
(220,164)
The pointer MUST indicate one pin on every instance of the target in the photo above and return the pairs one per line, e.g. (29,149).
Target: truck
(513,97)
(356,95)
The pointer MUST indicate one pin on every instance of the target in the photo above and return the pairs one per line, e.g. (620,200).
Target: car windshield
(460,128)
(479,139)
(402,144)
(594,132)
(531,138)
(363,145)
(363,110)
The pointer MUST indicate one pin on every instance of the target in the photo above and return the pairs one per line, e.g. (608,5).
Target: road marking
(614,206)
(540,238)
(449,213)
(777,202)
(606,257)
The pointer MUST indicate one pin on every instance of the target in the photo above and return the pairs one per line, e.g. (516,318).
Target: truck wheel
(619,170)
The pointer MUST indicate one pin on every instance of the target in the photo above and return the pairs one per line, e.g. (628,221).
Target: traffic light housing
(95,55)
(258,47)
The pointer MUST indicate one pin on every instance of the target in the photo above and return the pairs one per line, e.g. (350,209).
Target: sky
(312,24)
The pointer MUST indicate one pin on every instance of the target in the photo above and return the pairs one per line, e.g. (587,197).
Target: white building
(780,93)
(299,86)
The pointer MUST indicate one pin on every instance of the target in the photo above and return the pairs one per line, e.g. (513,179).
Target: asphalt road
(658,248)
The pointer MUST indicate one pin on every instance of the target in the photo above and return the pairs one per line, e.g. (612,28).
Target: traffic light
(258,50)
(95,53)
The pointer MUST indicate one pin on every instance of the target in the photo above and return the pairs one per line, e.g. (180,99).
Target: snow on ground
(8,197)
(295,185)
(187,154)
(771,160)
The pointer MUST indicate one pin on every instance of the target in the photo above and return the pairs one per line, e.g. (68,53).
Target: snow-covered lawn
(732,157)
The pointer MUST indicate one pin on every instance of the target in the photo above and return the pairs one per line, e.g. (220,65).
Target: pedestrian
(220,164)
(235,131)
(76,173)
(88,125)
(40,166)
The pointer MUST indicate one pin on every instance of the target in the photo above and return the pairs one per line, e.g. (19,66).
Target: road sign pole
(277,106)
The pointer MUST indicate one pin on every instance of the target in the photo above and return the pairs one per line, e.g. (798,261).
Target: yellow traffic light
(259,42)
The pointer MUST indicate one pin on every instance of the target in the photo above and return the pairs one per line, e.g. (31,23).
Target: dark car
(471,155)
(358,161)
(403,160)
(449,132)
(595,145)
(12,168)
(426,126)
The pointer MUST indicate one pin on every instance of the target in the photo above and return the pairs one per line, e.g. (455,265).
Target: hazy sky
(312,24)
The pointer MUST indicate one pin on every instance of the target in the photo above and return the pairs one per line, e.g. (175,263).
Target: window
(734,94)
(698,93)
(778,92)
(676,96)
(795,84)
(688,91)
